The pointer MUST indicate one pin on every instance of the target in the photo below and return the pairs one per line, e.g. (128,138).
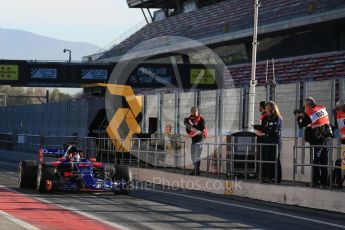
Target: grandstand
(310,26)
(324,66)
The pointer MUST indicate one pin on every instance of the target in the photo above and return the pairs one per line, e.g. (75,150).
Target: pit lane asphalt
(153,207)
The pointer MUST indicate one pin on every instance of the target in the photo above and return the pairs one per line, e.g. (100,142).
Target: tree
(13,92)
(56,96)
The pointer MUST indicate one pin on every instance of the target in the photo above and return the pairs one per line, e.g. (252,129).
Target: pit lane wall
(282,194)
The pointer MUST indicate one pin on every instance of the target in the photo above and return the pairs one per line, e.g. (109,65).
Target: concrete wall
(186,102)
(285,97)
(151,109)
(283,194)
(231,110)
(321,91)
(169,112)
(286,100)
(208,109)
(303,174)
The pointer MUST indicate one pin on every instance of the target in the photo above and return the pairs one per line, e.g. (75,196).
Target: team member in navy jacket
(272,135)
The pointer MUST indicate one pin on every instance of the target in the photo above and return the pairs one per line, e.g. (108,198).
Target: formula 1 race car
(72,172)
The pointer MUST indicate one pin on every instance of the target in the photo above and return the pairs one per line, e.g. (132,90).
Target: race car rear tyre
(27,174)
(123,173)
(45,176)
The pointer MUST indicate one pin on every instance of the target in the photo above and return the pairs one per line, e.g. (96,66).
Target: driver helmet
(76,157)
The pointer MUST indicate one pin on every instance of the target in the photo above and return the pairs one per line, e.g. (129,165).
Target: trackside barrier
(223,156)
(333,155)
(104,150)
(153,152)
(218,159)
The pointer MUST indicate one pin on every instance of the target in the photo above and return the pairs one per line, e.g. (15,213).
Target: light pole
(69,54)
(252,83)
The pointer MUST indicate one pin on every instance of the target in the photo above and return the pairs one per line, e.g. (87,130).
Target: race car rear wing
(44,152)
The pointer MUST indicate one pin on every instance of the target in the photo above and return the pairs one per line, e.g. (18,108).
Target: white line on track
(87,215)
(17,221)
(251,208)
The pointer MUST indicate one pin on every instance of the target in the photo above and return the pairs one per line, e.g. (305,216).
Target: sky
(98,22)
(94,21)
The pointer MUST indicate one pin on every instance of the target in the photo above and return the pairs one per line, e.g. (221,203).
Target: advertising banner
(9,72)
(43,73)
(94,74)
(202,76)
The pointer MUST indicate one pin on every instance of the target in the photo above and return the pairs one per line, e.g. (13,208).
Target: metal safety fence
(324,163)
(242,160)
(158,153)
(247,161)
(105,149)
(109,151)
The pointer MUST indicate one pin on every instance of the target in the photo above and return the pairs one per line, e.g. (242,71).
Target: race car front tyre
(27,174)
(123,175)
(45,176)
(122,172)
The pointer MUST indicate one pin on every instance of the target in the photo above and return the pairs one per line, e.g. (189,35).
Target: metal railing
(333,152)
(144,152)
(105,149)
(217,159)
(234,154)
(153,152)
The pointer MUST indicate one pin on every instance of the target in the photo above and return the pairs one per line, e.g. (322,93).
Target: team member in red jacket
(340,117)
(195,128)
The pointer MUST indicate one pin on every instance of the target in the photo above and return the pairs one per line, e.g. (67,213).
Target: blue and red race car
(72,172)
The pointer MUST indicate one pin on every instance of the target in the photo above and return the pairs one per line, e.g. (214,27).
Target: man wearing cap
(315,118)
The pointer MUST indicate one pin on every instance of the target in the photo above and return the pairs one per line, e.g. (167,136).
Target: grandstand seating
(225,17)
(316,67)
(303,68)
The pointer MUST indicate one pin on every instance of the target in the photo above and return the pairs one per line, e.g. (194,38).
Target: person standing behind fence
(271,129)
(195,127)
(262,121)
(318,132)
(339,113)
(340,118)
